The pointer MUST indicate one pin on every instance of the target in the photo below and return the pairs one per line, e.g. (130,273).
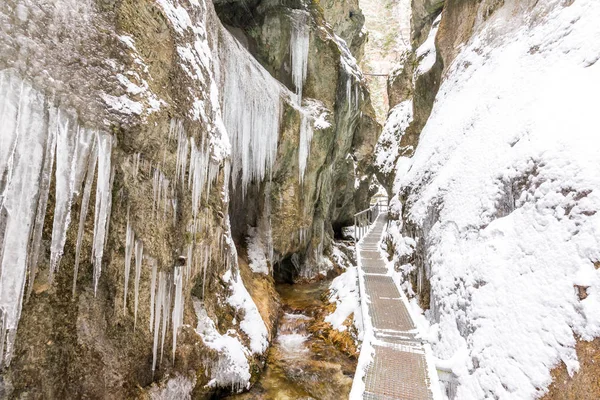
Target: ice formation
(232,367)
(306,134)
(87,191)
(139,255)
(129,243)
(35,136)
(257,252)
(72,148)
(167,306)
(299,46)
(103,203)
(251,112)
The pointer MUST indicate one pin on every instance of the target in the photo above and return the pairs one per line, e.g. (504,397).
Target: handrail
(365,218)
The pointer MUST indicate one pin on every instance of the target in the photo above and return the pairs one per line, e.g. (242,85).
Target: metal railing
(364,219)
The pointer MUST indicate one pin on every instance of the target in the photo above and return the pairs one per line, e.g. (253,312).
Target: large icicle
(34,137)
(202,174)
(306,134)
(154,265)
(87,191)
(23,137)
(299,45)
(182,150)
(34,250)
(139,254)
(157,309)
(103,203)
(72,149)
(129,239)
(251,112)
(177,318)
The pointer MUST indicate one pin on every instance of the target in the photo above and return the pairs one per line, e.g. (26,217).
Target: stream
(302,363)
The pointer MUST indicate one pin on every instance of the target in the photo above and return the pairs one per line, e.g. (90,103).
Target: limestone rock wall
(122,115)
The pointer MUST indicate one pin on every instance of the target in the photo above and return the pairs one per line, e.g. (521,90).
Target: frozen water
(299,46)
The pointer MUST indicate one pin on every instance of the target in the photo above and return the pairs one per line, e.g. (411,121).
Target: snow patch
(252,324)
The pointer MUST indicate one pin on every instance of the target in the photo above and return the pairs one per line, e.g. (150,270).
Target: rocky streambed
(308,359)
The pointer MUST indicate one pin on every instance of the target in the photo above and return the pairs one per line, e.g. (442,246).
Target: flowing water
(301,364)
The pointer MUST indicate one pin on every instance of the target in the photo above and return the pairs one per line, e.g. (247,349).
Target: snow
(252,324)
(388,145)
(176,388)
(505,185)
(123,104)
(345,294)
(426,53)
(232,368)
(257,257)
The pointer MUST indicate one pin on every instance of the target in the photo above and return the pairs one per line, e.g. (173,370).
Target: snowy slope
(505,184)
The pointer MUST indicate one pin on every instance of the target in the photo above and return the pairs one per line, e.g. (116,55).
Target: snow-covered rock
(502,199)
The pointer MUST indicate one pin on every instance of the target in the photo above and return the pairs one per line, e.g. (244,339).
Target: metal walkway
(397,361)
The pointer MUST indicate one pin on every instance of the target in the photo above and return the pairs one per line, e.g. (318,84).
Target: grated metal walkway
(399,367)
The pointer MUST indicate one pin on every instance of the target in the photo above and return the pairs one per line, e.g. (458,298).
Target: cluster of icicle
(195,171)
(251,113)
(38,138)
(167,299)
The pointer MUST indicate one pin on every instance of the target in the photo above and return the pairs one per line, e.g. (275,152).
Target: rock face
(320,177)
(475,156)
(145,134)
(347,20)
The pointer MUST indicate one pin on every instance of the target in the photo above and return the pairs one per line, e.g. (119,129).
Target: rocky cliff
(496,204)
(144,148)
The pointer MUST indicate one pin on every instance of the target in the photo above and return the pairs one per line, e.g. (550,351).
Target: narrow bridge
(394,363)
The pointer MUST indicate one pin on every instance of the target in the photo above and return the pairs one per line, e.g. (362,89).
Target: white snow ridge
(505,185)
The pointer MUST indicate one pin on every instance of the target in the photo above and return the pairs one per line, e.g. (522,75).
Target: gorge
(179,181)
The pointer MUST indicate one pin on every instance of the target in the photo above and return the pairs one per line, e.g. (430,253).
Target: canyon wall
(488,152)
(156,167)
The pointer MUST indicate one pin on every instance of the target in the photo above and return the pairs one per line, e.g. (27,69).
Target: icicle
(177,316)
(89,181)
(40,216)
(205,267)
(166,306)
(306,134)
(159,303)
(154,264)
(103,202)
(182,151)
(136,164)
(72,149)
(139,254)
(24,142)
(349,92)
(129,243)
(251,113)
(203,172)
(299,45)
(165,194)
(109,208)
(188,261)
(155,190)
